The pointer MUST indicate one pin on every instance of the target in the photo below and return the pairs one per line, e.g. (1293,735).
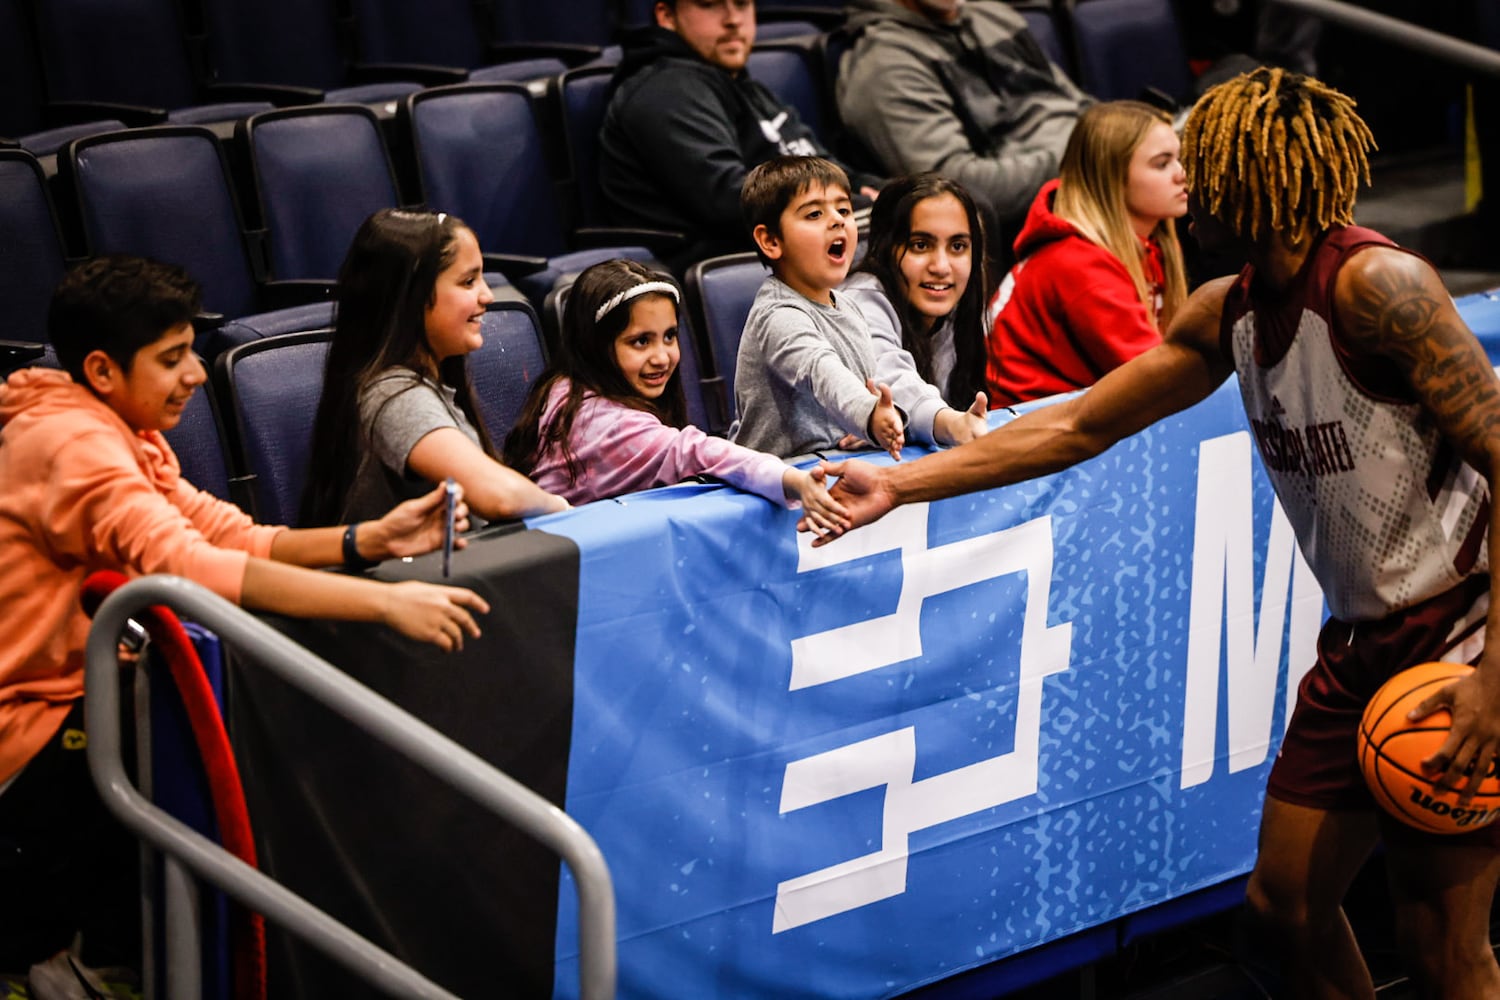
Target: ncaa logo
(889,760)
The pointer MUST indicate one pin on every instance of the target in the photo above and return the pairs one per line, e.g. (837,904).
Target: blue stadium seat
(789,70)
(581,97)
(502,370)
(318,173)
(720,291)
(32,258)
(164,192)
(1043,28)
(274,386)
(1127,46)
(451,35)
(578,22)
(295,43)
(26,114)
(313,316)
(479,155)
(199,442)
(519,71)
(131,59)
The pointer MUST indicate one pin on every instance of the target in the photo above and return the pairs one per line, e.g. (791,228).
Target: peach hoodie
(80,491)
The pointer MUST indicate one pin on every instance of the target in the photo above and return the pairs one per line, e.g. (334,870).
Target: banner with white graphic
(974,727)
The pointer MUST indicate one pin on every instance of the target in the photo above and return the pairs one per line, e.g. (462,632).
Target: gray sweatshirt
(894,365)
(799,380)
(975,100)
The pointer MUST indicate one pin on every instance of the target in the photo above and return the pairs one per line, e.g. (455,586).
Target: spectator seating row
(71,67)
(272,232)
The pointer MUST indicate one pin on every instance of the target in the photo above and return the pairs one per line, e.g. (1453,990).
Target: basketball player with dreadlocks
(1377,416)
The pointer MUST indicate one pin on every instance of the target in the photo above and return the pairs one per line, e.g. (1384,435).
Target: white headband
(644,288)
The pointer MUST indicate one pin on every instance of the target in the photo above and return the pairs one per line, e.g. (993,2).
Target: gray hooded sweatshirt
(975,100)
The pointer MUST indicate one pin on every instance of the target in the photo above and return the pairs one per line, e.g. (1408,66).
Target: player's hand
(1473,742)
(432,613)
(885,422)
(821,513)
(416,526)
(862,492)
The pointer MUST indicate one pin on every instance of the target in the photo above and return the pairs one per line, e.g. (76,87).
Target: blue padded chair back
(769,30)
(519,70)
(293,42)
(582,95)
(578,22)
(786,70)
(721,290)
(1044,29)
(692,376)
(125,51)
(198,439)
(1125,46)
(319,173)
(435,32)
(480,156)
(164,192)
(503,369)
(258,326)
(31,250)
(274,388)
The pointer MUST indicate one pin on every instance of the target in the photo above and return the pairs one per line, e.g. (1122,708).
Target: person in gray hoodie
(960,88)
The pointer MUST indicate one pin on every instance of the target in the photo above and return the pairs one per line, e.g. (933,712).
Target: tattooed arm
(1184,368)
(1393,304)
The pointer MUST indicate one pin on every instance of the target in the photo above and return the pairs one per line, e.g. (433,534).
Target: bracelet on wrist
(352,558)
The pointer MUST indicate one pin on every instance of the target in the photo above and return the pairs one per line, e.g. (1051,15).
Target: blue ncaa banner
(974,727)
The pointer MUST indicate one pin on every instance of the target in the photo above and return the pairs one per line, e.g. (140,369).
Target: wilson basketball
(1391,751)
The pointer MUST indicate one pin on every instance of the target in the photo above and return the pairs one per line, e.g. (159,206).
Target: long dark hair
(586,358)
(890,231)
(387,281)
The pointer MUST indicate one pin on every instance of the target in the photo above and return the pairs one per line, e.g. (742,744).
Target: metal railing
(409,736)
(1424,40)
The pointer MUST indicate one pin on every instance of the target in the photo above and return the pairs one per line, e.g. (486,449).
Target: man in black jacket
(686,123)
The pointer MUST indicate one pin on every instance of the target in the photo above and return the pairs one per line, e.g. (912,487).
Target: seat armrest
(662,242)
(281,95)
(514,265)
(77,112)
(288,292)
(427,74)
(569,54)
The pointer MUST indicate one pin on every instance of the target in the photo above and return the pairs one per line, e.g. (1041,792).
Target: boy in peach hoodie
(87,482)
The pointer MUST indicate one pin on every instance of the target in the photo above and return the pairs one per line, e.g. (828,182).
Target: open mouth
(836,250)
(937,287)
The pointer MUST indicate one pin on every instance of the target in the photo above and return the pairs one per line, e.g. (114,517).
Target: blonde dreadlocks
(1272,150)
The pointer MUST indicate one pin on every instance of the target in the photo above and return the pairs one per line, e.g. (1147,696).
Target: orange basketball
(1391,750)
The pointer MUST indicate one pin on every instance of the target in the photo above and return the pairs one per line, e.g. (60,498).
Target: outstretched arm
(1394,305)
(1183,369)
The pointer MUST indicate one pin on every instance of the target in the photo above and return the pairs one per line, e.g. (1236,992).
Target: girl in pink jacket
(610,416)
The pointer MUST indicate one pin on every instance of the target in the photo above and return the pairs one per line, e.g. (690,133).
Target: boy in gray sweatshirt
(804,378)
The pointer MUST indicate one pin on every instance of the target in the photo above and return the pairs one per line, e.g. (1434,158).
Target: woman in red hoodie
(1099,270)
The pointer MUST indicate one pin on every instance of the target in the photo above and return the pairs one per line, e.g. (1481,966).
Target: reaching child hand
(955,427)
(431,613)
(416,526)
(821,513)
(885,423)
